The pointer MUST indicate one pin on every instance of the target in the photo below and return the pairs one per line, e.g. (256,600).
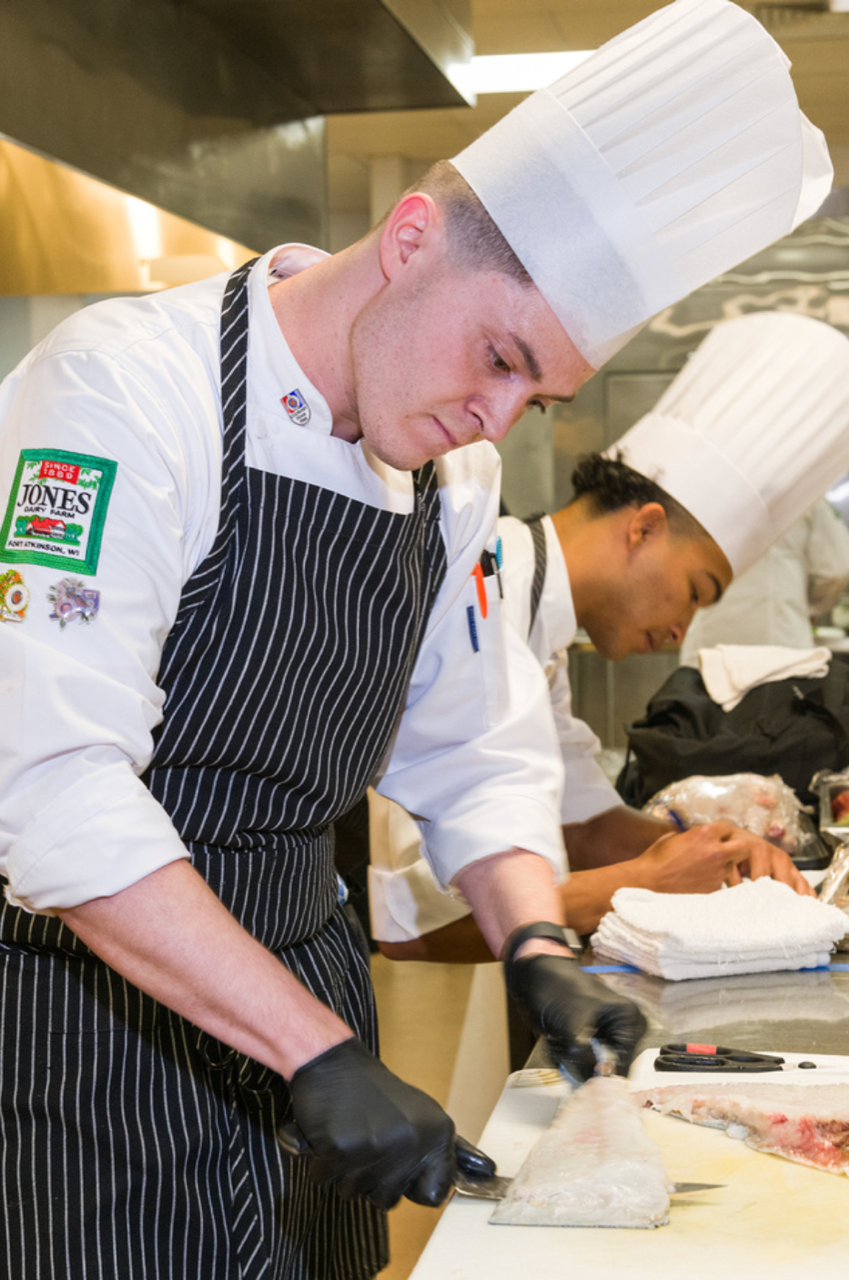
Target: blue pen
(473,628)
(677,821)
(499,561)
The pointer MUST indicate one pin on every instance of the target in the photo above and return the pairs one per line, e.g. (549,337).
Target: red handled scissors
(716,1057)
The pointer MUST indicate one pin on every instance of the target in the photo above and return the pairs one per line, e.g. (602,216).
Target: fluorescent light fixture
(522,72)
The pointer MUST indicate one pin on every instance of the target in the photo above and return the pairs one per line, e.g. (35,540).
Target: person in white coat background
(801,576)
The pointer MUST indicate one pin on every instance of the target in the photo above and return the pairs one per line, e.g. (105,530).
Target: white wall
(25,321)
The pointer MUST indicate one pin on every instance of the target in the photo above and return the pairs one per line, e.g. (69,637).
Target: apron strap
(540,561)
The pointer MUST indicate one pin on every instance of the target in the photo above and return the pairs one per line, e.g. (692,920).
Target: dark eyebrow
(528,356)
(718,585)
(533,367)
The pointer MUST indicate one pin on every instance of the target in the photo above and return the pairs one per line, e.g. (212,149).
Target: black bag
(791,727)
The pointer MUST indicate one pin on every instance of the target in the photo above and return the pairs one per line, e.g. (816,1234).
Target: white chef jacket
(136,381)
(404,901)
(802,574)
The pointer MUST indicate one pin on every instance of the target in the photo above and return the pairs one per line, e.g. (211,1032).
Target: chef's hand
(765,859)
(569,1007)
(370,1134)
(706,857)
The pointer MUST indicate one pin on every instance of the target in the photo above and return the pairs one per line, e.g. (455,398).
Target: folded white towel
(759,926)
(731,670)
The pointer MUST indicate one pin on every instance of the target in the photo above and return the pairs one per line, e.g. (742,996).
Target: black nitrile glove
(569,1008)
(471,1160)
(370,1134)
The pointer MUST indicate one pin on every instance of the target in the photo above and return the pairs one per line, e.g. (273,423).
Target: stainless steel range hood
(212,109)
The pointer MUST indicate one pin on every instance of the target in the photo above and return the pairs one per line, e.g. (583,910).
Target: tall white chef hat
(674,152)
(752,431)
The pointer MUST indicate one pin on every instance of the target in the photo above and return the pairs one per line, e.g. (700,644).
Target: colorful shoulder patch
(56,509)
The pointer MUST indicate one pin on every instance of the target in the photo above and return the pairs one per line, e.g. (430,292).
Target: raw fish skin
(805,1123)
(593,1167)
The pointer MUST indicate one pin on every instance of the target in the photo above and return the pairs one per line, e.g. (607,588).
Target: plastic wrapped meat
(805,1123)
(766,806)
(593,1167)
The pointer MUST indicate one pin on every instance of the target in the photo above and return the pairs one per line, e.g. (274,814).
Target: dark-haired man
(631,564)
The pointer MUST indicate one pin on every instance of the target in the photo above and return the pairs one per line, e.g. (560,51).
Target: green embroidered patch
(56,509)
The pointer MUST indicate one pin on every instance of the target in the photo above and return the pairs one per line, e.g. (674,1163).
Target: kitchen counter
(802,1012)
(769,1216)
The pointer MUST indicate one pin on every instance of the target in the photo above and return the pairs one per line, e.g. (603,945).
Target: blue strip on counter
(630,968)
(609,968)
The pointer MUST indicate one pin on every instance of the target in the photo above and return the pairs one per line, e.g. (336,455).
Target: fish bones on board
(593,1167)
(805,1123)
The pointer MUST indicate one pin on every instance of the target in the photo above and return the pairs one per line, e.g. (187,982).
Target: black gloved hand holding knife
(369,1134)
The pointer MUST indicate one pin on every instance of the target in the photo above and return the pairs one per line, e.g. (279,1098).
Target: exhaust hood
(213,109)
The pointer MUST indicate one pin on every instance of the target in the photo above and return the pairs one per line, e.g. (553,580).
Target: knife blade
(496,1187)
(492,1187)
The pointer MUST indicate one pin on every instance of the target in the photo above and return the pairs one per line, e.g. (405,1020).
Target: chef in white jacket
(775,601)
(238,561)
(756,421)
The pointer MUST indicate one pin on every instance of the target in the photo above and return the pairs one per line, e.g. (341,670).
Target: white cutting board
(769,1218)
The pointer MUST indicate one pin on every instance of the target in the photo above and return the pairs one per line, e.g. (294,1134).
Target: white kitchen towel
(731,670)
(760,926)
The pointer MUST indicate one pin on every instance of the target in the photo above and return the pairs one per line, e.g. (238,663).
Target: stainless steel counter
(766,1216)
(803,1012)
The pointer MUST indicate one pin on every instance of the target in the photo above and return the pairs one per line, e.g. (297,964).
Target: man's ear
(645,524)
(414,226)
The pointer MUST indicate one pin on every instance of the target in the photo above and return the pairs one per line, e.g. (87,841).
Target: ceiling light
(522,72)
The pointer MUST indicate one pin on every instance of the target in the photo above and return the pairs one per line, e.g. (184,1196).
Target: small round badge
(14,597)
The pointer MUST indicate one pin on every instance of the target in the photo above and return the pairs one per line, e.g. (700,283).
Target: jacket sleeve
(475,756)
(586,789)
(404,900)
(80,698)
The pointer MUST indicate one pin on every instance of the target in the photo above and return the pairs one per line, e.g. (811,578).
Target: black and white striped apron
(537,531)
(134,1146)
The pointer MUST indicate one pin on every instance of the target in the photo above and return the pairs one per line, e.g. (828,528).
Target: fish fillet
(593,1167)
(805,1123)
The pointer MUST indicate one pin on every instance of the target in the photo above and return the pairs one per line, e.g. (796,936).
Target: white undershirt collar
(277,382)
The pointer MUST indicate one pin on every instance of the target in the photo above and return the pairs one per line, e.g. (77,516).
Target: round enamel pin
(14,597)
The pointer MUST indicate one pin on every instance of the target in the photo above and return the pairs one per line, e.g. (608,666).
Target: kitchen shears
(717,1057)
